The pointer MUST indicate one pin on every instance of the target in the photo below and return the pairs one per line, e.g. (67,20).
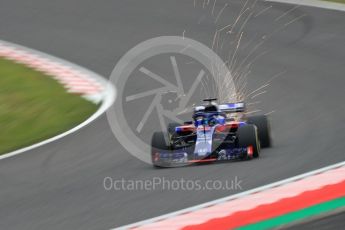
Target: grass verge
(34,107)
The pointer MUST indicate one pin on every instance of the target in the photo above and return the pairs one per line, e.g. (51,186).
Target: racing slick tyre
(248,136)
(264,131)
(158,143)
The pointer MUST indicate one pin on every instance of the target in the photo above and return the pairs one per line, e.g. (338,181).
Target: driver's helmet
(208,114)
(212,107)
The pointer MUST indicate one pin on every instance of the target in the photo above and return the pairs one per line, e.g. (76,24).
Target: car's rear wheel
(248,138)
(264,131)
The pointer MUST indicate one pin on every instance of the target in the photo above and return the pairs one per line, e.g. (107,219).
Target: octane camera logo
(159,82)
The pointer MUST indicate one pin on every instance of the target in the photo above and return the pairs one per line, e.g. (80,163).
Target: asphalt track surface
(60,185)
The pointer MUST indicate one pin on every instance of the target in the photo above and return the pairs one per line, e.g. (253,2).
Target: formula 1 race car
(217,133)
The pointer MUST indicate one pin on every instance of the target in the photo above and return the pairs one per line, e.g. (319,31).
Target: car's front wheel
(264,131)
(159,142)
(248,138)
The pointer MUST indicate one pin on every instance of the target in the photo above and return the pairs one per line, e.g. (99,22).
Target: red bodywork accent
(187,128)
(232,125)
(250,151)
(227,127)
(156,157)
(221,128)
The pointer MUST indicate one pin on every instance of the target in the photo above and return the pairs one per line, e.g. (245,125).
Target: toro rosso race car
(216,133)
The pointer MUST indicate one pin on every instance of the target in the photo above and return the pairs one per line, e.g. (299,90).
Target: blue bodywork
(205,126)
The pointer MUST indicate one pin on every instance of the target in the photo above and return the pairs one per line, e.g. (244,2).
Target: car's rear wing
(233,107)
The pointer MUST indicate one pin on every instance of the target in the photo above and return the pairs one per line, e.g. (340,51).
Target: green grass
(339,1)
(34,107)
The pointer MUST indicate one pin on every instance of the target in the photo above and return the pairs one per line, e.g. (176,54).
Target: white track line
(102,91)
(314,3)
(232,197)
